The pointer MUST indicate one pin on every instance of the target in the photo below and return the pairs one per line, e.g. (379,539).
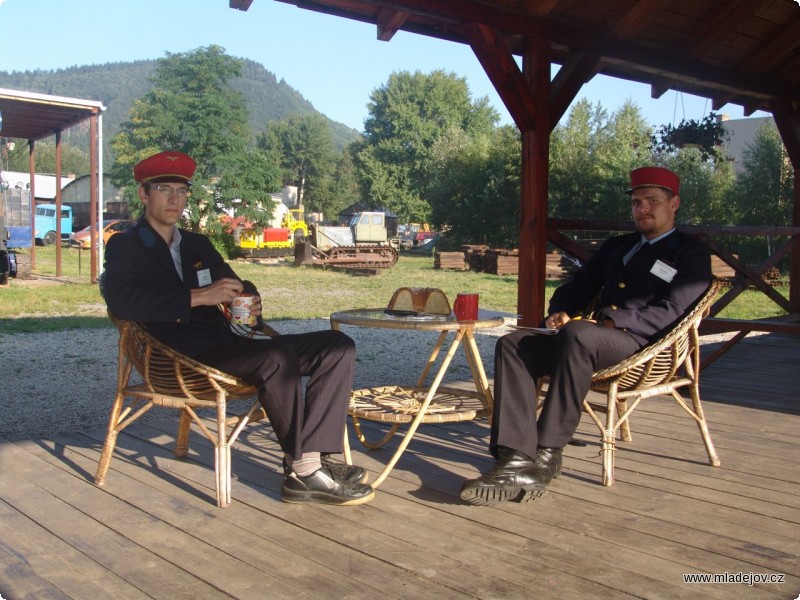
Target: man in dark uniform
(173,281)
(646,280)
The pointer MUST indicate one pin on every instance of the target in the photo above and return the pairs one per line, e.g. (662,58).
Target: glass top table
(422,403)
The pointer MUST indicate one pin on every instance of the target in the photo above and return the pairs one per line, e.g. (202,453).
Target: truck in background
(366,243)
(15,232)
(46,223)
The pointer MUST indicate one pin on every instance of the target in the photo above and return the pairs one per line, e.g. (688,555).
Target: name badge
(204,277)
(663,271)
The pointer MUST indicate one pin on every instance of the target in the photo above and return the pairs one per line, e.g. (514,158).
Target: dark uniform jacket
(141,283)
(639,300)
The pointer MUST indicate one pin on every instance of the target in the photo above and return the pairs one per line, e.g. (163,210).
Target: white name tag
(663,271)
(203,277)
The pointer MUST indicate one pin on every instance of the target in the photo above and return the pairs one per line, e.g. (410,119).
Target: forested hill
(117,85)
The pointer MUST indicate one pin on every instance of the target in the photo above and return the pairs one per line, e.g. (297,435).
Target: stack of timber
(553,268)
(722,269)
(505,262)
(450,260)
(474,256)
(774,277)
(497,262)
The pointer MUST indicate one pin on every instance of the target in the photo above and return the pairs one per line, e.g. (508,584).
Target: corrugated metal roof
(33,116)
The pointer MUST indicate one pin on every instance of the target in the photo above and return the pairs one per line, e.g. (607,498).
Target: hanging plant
(706,135)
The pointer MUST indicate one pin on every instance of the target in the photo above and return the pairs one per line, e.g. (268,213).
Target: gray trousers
(569,358)
(316,422)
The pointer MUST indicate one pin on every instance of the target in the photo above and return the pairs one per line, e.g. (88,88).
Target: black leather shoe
(513,477)
(342,473)
(322,488)
(547,466)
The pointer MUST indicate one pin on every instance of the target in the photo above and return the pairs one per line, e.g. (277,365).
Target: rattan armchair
(659,369)
(173,380)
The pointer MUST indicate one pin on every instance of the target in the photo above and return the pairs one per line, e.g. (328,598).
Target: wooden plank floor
(153,530)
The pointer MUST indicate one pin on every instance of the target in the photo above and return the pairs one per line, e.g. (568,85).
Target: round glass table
(422,403)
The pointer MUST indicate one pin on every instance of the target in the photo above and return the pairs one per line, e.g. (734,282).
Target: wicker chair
(662,368)
(173,380)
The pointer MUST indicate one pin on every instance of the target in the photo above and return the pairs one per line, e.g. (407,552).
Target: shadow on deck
(153,530)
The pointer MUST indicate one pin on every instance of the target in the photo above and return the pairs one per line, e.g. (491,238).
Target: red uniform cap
(655,177)
(165,166)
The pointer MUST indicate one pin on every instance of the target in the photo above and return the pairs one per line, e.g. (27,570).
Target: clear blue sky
(335,63)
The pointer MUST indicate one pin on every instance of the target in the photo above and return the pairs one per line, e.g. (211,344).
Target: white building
(45,185)
(741,134)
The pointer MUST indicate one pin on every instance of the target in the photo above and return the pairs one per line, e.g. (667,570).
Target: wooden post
(32,171)
(95,231)
(58,203)
(794,268)
(534,180)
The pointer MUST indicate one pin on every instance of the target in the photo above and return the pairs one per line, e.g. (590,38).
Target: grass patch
(289,292)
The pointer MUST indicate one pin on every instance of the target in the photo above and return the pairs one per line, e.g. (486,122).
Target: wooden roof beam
(749,107)
(573,74)
(543,7)
(661,86)
(240,4)
(783,46)
(581,40)
(640,15)
(389,22)
(720,26)
(720,100)
(787,118)
(504,73)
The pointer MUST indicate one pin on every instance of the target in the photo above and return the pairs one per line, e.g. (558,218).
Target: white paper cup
(240,310)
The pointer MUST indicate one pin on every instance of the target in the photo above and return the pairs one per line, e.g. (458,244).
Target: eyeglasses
(168,191)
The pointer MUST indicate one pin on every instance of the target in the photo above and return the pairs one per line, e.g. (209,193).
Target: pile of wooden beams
(450,260)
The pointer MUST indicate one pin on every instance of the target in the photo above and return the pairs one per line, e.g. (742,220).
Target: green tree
(591,156)
(303,145)
(191,108)
(763,191)
(406,117)
(338,190)
(245,186)
(73,160)
(706,186)
(474,187)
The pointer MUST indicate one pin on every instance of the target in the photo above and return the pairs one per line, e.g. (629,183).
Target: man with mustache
(646,281)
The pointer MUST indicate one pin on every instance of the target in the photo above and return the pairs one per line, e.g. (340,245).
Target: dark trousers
(569,358)
(315,423)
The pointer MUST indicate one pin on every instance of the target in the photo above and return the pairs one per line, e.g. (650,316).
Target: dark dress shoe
(322,488)
(513,477)
(546,467)
(343,473)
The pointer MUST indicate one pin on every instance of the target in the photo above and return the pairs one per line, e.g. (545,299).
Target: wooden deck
(154,532)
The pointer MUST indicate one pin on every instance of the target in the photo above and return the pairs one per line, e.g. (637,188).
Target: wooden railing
(746,276)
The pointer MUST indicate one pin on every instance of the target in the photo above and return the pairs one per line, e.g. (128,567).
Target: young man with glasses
(646,281)
(173,280)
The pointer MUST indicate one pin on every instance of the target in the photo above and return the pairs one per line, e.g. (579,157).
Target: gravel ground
(64,382)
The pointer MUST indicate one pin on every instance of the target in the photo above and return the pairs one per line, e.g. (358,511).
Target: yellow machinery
(276,241)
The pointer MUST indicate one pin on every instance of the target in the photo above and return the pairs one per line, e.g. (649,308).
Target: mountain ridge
(118,84)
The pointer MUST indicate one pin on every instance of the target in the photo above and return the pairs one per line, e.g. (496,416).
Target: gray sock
(306,464)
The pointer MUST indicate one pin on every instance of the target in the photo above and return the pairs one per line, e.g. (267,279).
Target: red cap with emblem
(655,177)
(165,166)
